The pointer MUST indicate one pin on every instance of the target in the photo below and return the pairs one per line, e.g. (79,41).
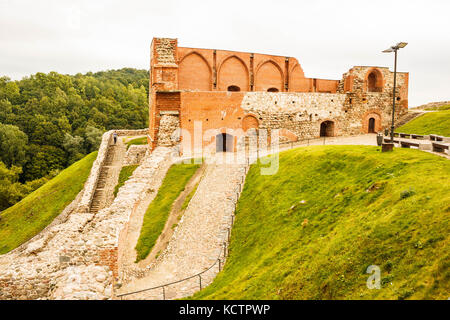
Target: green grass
(189,197)
(32,214)
(361,207)
(158,211)
(124,175)
(138,141)
(441,108)
(429,123)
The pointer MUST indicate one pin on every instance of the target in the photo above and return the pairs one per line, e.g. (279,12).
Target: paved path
(198,240)
(108,177)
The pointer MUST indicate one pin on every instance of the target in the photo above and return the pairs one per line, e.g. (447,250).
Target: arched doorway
(233,88)
(371,126)
(327,129)
(273,90)
(224,142)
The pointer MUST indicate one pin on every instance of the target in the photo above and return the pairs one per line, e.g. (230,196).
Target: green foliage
(49,121)
(28,217)
(429,123)
(158,211)
(311,230)
(137,141)
(13,144)
(93,137)
(124,175)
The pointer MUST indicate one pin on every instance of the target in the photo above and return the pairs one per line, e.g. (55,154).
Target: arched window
(375,81)
(273,90)
(372,82)
(233,88)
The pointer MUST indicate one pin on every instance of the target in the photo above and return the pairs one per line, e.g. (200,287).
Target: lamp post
(394,49)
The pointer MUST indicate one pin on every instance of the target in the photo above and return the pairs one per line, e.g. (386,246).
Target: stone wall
(76,257)
(299,113)
(135,154)
(168,126)
(91,182)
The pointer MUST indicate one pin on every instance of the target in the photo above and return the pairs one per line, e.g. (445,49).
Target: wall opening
(371,125)
(224,142)
(374,81)
(233,88)
(273,90)
(327,129)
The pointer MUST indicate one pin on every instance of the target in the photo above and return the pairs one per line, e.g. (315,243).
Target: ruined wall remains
(76,257)
(168,126)
(135,154)
(274,94)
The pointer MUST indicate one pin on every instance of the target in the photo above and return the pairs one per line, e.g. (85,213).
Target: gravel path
(198,240)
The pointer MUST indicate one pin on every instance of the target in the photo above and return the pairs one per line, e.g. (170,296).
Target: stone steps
(407,118)
(99,197)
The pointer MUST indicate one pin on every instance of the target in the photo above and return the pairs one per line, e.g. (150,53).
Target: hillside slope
(430,123)
(32,214)
(311,230)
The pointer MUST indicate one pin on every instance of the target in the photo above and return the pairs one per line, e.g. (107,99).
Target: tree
(93,138)
(73,147)
(13,143)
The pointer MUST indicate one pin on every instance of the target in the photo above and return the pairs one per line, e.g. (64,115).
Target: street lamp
(394,49)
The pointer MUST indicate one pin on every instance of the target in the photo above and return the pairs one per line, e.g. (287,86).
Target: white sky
(327,37)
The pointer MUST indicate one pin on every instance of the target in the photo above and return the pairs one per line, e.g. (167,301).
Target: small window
(234,88)
(273,90)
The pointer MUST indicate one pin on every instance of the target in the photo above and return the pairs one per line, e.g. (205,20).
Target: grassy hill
(158,211)
(430,123)
(312,230)
(28,217)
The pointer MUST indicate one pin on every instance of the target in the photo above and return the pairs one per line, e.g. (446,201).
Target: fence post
(200,281)
(228,234)
(220,267)
(164,293)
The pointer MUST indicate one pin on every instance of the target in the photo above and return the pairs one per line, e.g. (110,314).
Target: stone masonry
(76,256)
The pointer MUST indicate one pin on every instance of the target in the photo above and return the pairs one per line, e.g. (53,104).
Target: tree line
(49,121)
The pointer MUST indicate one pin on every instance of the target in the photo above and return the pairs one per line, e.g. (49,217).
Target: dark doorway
(234,88)
(327,129)
(273,90)
(224,142)
(372,125)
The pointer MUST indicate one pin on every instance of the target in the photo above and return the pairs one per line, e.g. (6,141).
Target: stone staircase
(407,118)
(100,198)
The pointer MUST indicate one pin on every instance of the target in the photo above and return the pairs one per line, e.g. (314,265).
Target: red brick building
(218,91)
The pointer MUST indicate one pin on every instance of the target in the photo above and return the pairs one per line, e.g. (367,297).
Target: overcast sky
(327,37)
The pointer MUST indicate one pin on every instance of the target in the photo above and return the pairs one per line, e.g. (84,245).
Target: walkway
(108,177)
(198,240)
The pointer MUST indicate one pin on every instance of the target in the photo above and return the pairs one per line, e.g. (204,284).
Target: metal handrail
(218,258)
(178,281)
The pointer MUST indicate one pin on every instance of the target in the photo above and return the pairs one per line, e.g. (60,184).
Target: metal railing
(199,275)
(223,252)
